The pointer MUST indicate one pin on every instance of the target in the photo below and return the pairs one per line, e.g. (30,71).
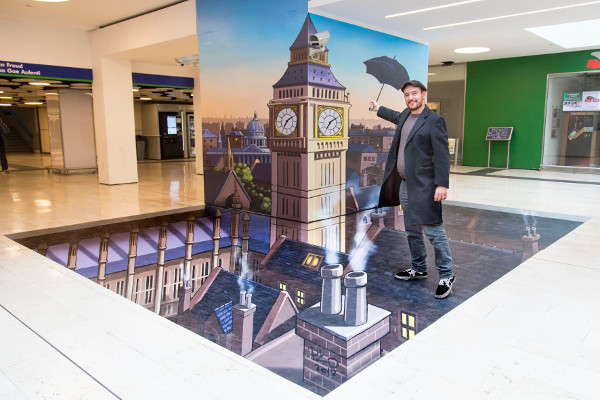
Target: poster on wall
(581,101)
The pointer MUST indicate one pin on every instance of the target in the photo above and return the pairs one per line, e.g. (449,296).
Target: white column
(114,121)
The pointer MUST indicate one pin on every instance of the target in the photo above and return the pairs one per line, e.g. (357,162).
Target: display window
(572,126)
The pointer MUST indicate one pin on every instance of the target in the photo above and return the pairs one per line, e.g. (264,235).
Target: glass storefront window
(572,126)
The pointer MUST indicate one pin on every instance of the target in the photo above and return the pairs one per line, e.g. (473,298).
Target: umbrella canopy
(388,71)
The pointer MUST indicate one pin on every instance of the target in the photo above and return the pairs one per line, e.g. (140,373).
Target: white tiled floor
(533,334)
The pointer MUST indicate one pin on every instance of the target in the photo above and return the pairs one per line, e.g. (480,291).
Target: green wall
(512,92)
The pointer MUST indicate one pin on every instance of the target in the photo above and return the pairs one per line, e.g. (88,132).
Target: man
(4,130)
(417,177)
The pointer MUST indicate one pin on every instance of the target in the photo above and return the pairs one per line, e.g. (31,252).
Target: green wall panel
(512,92)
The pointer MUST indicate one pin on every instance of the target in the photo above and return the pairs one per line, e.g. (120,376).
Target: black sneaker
(444,288)
(410,274)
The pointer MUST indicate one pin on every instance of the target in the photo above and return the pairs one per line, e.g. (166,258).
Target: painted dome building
(255,133)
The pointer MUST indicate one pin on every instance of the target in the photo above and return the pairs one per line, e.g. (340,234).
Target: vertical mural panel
(289,116)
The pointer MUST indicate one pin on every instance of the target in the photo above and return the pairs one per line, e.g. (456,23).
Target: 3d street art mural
(291,264)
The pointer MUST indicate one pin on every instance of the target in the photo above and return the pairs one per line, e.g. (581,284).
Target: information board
(499,133)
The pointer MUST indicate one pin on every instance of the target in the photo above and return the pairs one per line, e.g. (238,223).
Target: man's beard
(415,107)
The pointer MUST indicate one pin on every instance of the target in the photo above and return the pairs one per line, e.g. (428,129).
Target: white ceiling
(83,14)
(505,37)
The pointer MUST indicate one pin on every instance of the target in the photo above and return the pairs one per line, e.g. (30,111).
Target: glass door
(572,126)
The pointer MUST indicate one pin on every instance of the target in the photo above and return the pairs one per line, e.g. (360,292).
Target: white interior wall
(39,43)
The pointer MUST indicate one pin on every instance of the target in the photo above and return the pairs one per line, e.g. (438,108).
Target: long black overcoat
(427,161)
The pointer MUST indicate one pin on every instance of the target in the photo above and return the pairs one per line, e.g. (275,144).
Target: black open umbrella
(388,71)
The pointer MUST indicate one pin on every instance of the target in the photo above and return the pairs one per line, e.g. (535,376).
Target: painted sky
(244,50)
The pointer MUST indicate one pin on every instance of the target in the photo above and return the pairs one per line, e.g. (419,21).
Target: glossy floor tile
(529,334)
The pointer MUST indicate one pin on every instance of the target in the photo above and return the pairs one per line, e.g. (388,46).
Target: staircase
(17,144)
(19,138)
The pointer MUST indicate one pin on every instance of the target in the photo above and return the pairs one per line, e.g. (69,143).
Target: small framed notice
(499,133)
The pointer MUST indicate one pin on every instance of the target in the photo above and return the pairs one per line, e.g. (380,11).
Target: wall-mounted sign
(581,101)
(42,71)
(162,80)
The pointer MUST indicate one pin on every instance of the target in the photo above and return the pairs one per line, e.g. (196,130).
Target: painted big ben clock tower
(308,139)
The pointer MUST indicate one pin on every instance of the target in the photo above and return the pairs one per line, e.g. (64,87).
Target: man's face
(414,97)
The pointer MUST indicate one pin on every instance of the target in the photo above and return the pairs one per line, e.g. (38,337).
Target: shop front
(572,124)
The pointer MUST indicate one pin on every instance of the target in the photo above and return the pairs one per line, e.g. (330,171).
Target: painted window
(312,261)
(300,297)
(282,286)
(408,325)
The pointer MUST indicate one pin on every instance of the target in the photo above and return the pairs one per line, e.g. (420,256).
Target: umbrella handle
(370,109)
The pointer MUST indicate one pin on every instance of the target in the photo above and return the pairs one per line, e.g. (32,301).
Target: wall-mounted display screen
(171,125)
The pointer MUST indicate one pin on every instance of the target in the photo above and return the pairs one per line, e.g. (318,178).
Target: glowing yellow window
(312,261)
(408,325)
(282,286)
(300,297)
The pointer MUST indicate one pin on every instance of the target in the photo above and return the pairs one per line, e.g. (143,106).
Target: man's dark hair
(414,83)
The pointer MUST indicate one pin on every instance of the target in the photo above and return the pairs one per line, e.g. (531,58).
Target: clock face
(286,121)
(330,122)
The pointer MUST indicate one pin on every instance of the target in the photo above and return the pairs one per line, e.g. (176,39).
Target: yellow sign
(451,145)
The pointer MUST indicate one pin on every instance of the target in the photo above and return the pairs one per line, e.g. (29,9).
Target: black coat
(427,160)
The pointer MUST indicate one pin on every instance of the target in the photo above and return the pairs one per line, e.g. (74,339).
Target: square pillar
(114,121)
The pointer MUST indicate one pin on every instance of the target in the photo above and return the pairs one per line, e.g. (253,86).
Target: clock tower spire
(308,138)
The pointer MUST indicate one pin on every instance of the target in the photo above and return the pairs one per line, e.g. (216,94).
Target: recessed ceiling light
(33,103)
(5,97)
(431,73)
(571,35)
(472,50)
(135,90)
(145,98)
(431,8)
(39,83)
(5,105)
(511,15)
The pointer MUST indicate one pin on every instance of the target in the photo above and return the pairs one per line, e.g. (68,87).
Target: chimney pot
(355,310)
(243,298)
(331,291)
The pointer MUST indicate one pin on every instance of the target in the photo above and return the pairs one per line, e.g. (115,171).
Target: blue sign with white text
(12,68)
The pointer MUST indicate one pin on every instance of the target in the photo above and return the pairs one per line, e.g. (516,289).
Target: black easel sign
(499,133)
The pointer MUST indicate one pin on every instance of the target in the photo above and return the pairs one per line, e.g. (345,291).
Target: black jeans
(3,157)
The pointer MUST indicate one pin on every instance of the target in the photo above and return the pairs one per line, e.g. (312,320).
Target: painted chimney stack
(243,324)
(331,293)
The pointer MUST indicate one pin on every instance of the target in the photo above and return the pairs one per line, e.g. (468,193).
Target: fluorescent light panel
(511,15)
(431,8)
(571,35)
(472,50)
